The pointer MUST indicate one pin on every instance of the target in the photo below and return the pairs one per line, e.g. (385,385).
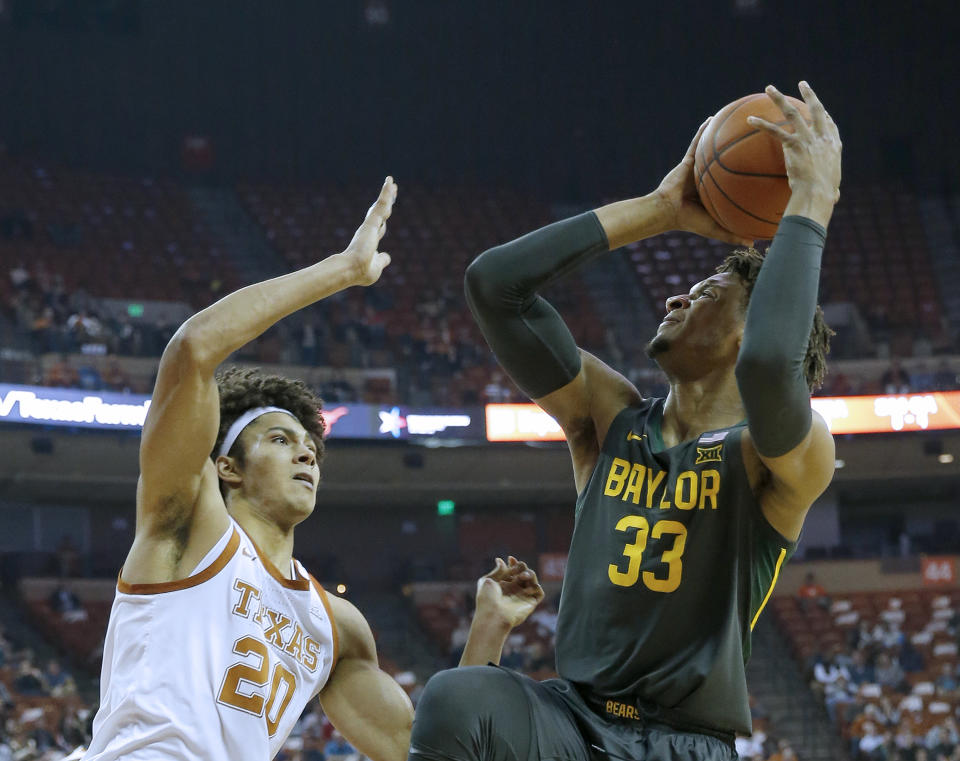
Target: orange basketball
(739,169)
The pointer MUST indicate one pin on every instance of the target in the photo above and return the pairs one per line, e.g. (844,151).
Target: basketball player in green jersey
(688,506)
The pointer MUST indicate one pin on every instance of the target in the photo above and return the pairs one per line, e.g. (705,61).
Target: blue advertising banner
(107,410)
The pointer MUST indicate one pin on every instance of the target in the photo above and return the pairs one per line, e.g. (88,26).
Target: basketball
(739,169)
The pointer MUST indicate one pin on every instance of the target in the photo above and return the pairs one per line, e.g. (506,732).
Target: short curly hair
(241,390)
(746,264)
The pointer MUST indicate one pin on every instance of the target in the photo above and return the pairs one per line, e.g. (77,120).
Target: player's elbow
(189,348)
(487,285)
(477,281)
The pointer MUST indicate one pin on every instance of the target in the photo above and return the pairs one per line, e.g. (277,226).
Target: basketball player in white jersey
(218,637)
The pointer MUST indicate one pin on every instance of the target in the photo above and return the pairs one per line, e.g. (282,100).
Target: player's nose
(677,302)
(306,455)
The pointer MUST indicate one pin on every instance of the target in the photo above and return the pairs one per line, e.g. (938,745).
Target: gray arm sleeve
(770,368)
(529,337)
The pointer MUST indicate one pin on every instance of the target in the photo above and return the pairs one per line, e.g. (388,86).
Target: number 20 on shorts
(634,550)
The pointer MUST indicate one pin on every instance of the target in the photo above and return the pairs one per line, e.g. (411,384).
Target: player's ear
(228,470)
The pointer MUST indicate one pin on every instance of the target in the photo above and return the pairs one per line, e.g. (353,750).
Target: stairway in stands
(242,238)
(941,221)
(778,685)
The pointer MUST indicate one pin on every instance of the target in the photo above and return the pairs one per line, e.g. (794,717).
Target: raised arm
(529,337)
(177,477)
(792,443)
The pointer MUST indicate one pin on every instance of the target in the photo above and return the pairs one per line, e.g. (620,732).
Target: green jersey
(670,565)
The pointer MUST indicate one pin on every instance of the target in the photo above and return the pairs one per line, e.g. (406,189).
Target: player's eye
(281,439)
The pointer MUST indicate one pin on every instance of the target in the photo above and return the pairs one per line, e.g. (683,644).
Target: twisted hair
(746,264)
(241,390)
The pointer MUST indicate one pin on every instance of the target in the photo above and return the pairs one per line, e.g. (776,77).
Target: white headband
(242,422)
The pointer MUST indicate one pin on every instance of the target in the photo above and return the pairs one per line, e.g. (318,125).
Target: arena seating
(831,632)
(121,237)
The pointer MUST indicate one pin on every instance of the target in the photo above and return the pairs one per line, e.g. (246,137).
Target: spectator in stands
(827,670)
(922,378)
(61,374)
(860,637)
(945,377)
(911,659)
(115,379)
(67,604)
(546,616)
(784,752)
(29,679)
(6,699)
(943,737)
(888,634)
(888,671)
(904,739)
(751,747)
(872,742)
(316,731)
(895,380)
(58,681)
(811,591)
(946,681)
(20,277)
(497,391)
(89,377)
(838,693)
(859,670)
(338,749)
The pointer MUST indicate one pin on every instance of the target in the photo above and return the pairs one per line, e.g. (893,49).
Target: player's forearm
(626,222)
(214,333)
(488,634)
(770,368)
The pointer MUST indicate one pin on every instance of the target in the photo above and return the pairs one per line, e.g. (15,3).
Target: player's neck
(705,404)
(272,539)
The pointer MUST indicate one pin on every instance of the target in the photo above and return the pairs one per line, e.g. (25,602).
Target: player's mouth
(306,478)
(669,320)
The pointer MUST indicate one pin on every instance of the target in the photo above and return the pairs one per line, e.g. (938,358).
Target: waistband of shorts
(631,710)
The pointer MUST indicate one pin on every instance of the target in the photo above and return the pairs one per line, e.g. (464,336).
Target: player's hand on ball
(367,261)
(678,192)
(812,151)
(510,591)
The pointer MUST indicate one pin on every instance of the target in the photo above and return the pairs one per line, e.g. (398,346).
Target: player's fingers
(790,112)
(817,112)
(774,129)
(696,138)
(497,571)
(381,209)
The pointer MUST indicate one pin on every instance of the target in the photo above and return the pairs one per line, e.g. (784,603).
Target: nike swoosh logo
(634,437)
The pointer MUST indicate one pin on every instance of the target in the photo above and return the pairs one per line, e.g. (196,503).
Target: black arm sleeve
(770,368)
(529,338)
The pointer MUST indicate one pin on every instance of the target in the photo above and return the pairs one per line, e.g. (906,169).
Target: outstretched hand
(678,191)
(510,592)
(811,152)
(362,251)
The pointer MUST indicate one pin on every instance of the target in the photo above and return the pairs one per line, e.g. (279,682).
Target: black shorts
(519,719)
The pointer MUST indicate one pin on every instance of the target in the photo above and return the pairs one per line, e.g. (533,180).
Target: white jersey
(217,666)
